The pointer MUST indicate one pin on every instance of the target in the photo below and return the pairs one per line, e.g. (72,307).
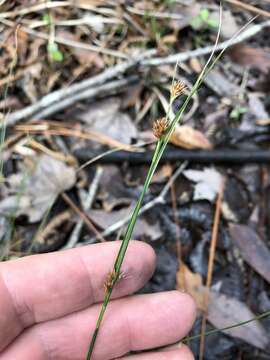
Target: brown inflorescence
(112,278)
(178,88)
(160,126)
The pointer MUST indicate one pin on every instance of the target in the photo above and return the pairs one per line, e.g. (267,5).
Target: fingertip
(182,352)
(190,306)
(184,309)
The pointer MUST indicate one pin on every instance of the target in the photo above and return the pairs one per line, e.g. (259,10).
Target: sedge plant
(163,130)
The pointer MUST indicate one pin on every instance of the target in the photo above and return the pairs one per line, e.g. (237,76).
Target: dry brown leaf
(252,248)
(162,174)
(34,195)
(225,311)
(192,284)
(263,122)
(188,138)
(249,56)
(195,65)
(105,117)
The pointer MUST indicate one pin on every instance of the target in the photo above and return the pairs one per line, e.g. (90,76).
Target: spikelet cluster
(112,279)
(159,127)
(178,88)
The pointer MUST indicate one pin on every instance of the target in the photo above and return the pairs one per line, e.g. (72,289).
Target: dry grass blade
(82,215)
(211,260)
(249,7)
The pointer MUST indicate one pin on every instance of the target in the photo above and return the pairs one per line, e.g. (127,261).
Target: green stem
(123,248)
(213,331)
(160,148)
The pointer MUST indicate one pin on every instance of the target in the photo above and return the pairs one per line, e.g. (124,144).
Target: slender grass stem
(159,150)
(213,331)
(123,248)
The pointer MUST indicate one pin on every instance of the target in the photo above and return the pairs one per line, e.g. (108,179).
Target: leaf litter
(230,112)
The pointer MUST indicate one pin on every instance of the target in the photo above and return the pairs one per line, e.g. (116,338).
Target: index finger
(44,287)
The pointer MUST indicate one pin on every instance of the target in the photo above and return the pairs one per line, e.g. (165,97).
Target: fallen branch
(69,92)
(184,56)
(105,89)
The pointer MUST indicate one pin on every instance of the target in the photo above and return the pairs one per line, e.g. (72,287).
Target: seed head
(112,279)
(178,88)
(160,126)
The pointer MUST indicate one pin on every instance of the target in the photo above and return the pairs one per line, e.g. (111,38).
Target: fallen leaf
(249,56)
(221,85)
(142,228)
(225,311)
(208,183)
(163,173)
(195,65)
(263,122)
(257,108)
(191,283)
(188,13)
(105,117)
(188,138)
(84,57)
(252,248)
(229,25)
(34,195)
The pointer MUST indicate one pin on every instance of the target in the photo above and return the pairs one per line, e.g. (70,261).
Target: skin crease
(50,302)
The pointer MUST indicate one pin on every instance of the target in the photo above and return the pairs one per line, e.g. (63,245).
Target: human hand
(49,305)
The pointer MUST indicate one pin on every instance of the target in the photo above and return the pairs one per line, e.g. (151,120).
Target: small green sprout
(204,21)
(54,53)
(237,112)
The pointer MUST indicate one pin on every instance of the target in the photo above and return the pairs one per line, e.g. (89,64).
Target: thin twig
(184,56)
(38,7)
(62,129)
(105,89)
(67,42)
(249,7)
(176,221)
(58,96)
(155,14)
(61,94)
(160,199)
(73,239)
(211,261)
(82,215)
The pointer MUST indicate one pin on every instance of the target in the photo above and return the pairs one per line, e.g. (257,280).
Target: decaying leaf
(208,183)
(252,248)
(142,228)
(36,193)
(222,310)
(248,56)
(225,311)
(105,117)
(192,284)
(188,138)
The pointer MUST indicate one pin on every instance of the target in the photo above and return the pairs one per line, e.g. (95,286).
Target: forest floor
(81,84)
